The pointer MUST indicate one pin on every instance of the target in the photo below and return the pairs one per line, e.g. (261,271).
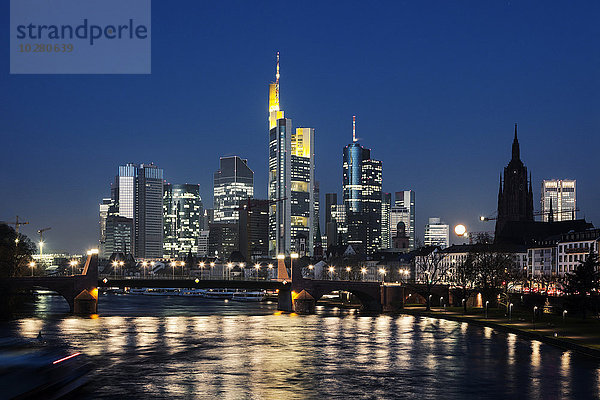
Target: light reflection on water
(208,349)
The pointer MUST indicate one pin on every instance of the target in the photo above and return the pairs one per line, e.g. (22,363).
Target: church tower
(515,197)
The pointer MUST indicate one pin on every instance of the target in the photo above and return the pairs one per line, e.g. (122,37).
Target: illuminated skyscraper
(303,185)
(138,195)
(562,195)
(386,203)
(182,216)
(233,184)
(362,196)
(437,233)
(291,179)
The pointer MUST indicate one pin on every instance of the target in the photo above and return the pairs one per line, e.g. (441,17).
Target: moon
(460,230)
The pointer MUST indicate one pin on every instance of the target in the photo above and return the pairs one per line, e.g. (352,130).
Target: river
(182,347)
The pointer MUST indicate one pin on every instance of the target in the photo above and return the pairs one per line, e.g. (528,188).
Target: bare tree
(430,270)
(492,267)
(465,277)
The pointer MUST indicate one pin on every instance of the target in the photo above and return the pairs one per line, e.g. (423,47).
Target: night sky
(436,88)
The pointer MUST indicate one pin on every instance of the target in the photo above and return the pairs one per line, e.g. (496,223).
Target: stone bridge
(80,291)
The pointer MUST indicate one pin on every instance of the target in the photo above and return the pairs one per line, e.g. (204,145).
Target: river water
(182,347)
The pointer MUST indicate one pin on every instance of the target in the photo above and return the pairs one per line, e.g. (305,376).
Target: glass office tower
(561,193)
(233,184)
(182,208)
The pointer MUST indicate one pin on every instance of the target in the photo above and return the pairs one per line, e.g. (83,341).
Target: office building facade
(138,194)
(362,183)
(386,203)
(560,195)
(404,210)
(437,233)
(182,212)
(233,184)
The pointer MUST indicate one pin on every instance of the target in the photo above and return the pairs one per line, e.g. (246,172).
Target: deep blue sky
(436,87)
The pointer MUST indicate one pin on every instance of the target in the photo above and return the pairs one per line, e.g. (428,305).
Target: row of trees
(492,272)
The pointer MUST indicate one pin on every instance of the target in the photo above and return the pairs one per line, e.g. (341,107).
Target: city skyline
(543,80)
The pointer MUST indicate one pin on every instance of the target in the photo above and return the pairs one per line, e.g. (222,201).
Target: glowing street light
(363,271)
(115,264)
(73,263)
(144,265)
(229,266)
(257,267)
(382,272)
(348,269)
(331,269)
(173,263)
(32,265)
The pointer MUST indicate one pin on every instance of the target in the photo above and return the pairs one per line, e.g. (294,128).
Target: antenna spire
(354,128)
(277,74)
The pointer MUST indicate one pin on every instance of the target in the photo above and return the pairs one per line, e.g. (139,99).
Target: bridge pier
(284,299)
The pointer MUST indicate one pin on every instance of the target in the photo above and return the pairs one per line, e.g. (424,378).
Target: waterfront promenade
(569,333)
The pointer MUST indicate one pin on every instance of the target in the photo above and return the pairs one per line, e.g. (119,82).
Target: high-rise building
(182,219)
(362,182)
(233,184)
(560,196)
(118,235)
(386,203)
(203,243)
(404,211)
(330,200)
(254,229)
(437,233)
(515,198)
(103,214)
(223,239)
(302,191)
(316,215)
(291,179)
(138,194)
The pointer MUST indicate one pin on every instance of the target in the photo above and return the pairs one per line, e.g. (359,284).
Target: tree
(584,281)
(15,256)
(430,270)
(465,276)
(491,268)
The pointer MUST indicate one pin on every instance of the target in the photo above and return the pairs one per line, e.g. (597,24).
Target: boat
(249,296)
(33,369)
(192,292)
(218,294)
(138,291)
(162,292)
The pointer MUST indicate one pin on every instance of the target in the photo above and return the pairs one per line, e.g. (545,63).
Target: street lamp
(73,263)
(115,265)
(270,266)
(510,306)
(441,301)
(229,266)
(144,265)
(534,311)
(257,267)
(363,271)
(331,269)
(382,272)
(564,315)
(173,263)
(32,265)
(348,269)
(486,308)
(201,270)
(121,263)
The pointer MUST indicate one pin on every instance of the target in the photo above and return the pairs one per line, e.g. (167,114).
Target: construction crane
(17,224)
(41,233)
(535,214)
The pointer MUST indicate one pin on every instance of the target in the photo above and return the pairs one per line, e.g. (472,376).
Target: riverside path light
(32,265)
(201,269)
(486,308)
(363,271)
(229,266)
(270,267)
(121,263)
(510,306)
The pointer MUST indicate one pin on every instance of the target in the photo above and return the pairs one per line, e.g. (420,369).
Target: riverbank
(581,336)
